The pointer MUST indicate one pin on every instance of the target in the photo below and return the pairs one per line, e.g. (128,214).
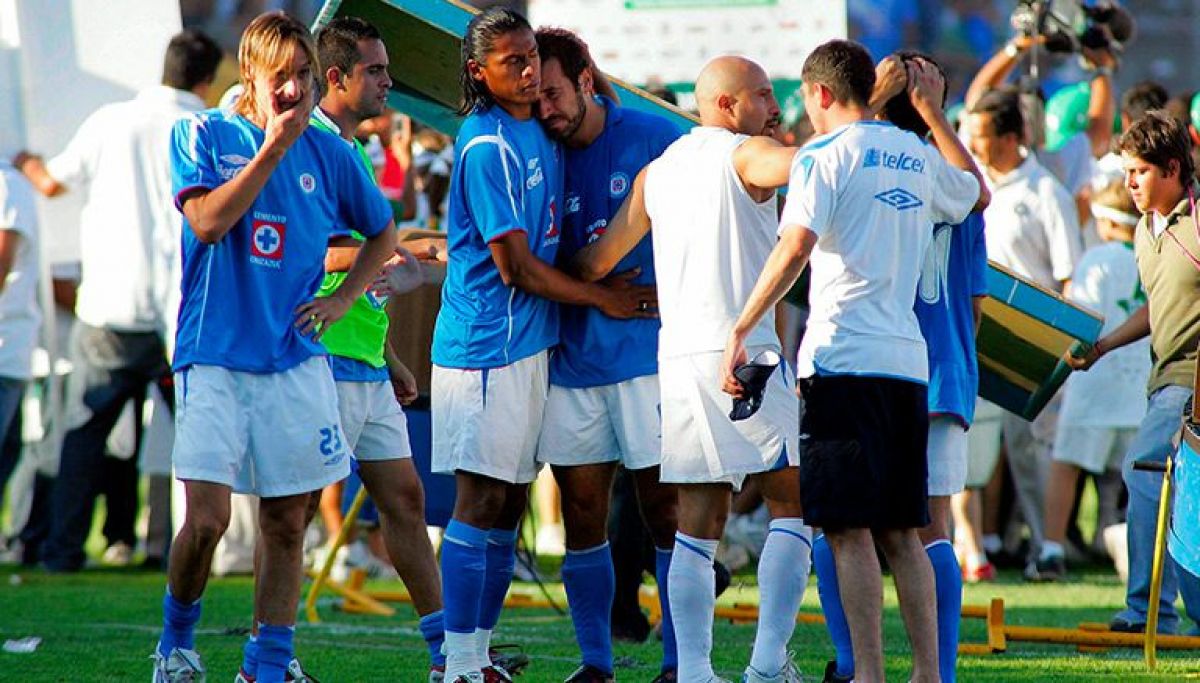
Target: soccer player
(256,408)
(603,403)
(370,380)
(496,325)
(711,201)
(949,294)
(862,200)
(1159,173)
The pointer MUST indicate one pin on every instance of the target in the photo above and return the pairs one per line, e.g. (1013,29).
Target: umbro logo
(899,199)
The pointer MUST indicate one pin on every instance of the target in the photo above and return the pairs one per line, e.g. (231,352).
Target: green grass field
(101,625)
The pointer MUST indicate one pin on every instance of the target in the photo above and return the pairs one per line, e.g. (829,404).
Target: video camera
(1069,26)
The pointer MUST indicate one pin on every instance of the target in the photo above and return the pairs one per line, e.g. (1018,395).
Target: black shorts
(862,453)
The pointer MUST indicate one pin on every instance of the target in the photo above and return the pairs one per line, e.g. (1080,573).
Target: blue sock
(590,584)
(250,656)
(662,567)
(501,558)
(831,605)
(464,563)
(179,625)
(275,652)
(947,580)
(433,629)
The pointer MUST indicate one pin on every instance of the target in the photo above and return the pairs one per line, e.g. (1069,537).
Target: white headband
(1109,213)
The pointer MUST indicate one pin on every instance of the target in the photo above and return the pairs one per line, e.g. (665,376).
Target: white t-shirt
(1106,281)
(1072,164)
(1032,225)
(20,315)
(128,228)
(872,193)
(711,241)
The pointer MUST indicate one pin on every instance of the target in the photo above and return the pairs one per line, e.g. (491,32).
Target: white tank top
(711,241)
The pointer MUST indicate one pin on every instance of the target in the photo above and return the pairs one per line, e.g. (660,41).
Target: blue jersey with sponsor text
(240,294)
(955,272)
(594,349)
(508,178)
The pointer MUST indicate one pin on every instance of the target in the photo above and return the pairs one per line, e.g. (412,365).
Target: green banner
(697,4)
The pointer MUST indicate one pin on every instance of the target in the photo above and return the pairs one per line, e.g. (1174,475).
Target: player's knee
(207,526)
(404,505)
(283,527)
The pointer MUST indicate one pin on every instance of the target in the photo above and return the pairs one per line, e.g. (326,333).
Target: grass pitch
(101,625)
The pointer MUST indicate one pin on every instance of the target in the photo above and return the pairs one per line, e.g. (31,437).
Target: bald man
(711,199)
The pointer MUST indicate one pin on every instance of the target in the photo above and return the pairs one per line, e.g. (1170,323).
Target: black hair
(192,58)
(565,47)
(477,44)
(843,66)
(1159,138)
(1003,106)
(899,110)
(337,43)
(1142,98)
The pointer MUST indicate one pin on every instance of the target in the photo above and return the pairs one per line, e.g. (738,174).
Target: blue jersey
(240,294)
(955,271)
(508,178)
(595,349)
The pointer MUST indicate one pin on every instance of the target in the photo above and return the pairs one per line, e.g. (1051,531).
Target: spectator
(1093,435)
(117,345)
(1032,230)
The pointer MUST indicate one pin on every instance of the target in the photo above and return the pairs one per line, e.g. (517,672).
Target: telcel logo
(898,162)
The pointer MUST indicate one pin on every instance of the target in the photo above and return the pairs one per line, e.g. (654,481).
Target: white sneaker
(181,666)
(788,674)
(119,554)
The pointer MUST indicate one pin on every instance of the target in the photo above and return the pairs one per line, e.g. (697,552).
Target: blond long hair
(270,43)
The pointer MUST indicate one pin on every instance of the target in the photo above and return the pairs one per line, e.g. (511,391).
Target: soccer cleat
(437,673)
(1053,568)
(294,673)
(590,674)
(508,657)
(470,678)
(788,674)
(984,572)
(832,675)
(181,666)
(496,674)
(668,676)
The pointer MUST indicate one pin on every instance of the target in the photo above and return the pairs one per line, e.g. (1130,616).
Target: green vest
(362,333)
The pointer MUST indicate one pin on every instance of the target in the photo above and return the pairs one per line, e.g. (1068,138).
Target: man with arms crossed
(862,201)
(1157,153)
(603,404)
(497,322)
(711,200)
(256,408)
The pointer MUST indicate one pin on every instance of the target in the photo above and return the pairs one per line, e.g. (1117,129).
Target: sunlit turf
(101,625)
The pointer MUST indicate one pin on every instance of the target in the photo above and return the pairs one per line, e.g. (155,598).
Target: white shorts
(983,443)
(947,456)
(271,435)
(615,422)
(372,421)
(701,444)
(488,421)
(1094,449)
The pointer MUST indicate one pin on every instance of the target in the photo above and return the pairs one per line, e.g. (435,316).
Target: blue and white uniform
(604,397)
(491,341)
(955,272)
(255,402)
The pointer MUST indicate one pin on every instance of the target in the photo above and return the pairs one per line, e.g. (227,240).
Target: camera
(1069,26)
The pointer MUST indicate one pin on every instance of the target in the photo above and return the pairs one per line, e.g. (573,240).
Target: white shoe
(181,666)
(788,674)
(294,672)
(119,554)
